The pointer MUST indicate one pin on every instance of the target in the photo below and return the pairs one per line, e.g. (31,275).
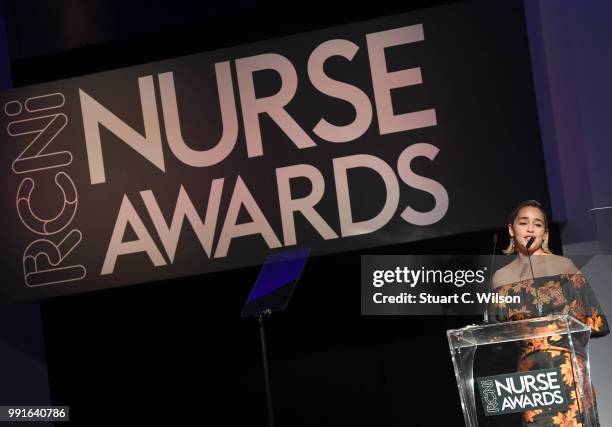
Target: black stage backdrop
(176,350)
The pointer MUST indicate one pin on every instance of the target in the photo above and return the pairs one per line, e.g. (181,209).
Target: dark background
(177,351)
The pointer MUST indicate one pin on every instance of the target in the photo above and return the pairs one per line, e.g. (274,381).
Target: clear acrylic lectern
(493,388)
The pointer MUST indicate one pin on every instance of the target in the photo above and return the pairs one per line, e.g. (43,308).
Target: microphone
(485,316)
(527,246)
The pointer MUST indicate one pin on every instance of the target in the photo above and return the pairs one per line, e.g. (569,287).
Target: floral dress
(558,294)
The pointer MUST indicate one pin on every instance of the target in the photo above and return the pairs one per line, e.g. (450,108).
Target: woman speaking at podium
(547,284)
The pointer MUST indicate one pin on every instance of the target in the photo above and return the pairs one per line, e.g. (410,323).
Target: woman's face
(528,223)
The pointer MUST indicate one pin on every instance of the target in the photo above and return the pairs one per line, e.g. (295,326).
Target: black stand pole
(264,355)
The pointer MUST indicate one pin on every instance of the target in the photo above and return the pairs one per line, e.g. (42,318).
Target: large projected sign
(392,130)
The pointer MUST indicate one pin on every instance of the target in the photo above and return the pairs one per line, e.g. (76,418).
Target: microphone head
(530,242)
(494,238)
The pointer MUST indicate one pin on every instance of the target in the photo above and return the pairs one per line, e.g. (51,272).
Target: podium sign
(509,393)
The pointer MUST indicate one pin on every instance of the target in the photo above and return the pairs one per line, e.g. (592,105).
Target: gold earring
(510,249)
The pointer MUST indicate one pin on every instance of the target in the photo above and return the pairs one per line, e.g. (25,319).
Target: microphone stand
(539,303)
(485,315)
